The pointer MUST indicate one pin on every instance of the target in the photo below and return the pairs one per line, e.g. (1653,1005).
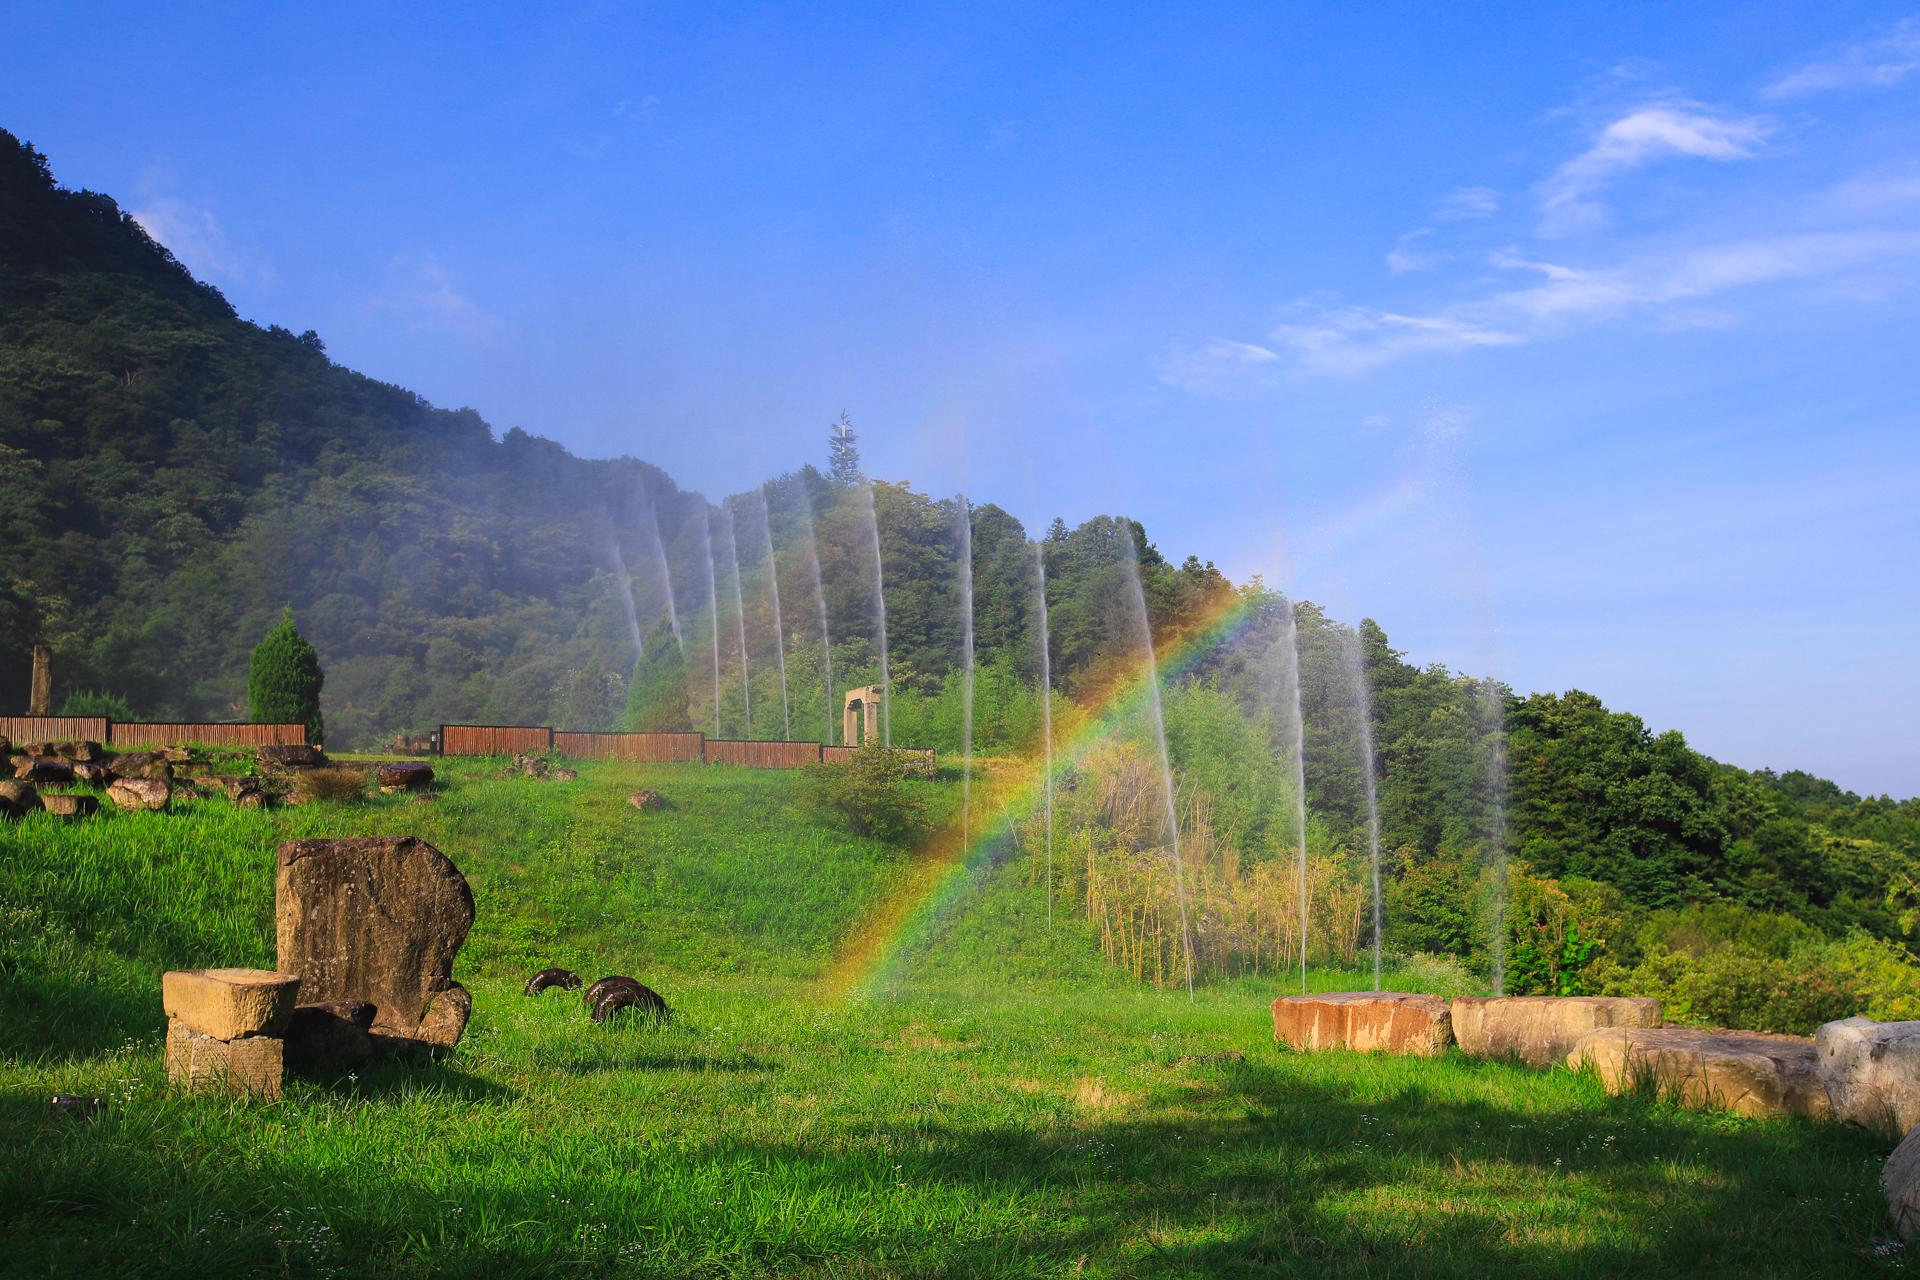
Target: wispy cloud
(425,293)
(1635,140)
(1218,366)
(1875,62)
(197,239)
(1463,204)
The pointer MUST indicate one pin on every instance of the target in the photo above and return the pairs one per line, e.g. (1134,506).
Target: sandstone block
(378,919)
(646,799)
(229,1004)
(141,764)
(140,793)
(1744,1071)
(291,756)
(201,1063)
(1541,1030)
(1901,1181)
(17,799)
(1872,1073)
(406,775)
(78,752)
(44,771)
(1389,1021)
(91,773)
(70,806)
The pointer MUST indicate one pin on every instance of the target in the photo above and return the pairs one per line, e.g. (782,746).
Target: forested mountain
(172,477)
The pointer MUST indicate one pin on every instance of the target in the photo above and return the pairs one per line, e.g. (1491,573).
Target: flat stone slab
(202,1063)
(1384,1021)
(229,1004)
(1743,1071)
(1541,1030)
(1872,1073)
(140,793)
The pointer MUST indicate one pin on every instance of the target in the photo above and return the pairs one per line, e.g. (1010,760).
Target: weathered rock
(140,793)
(18,799)
(533,766)
(292,756)
(1745,1071)
(565,775)
(406,775)
(332,1036)
(229,1004)
(647,800)
(45,771)
(378,919)
(78,752)
(6,745)
(1391,1021)
(141,764)
(70,806)
(1901,1181)
(1541,1030)
(91,774)
(253,800)
(1872,1073)
(201,1063)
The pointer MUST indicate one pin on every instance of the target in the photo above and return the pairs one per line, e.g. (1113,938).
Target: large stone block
(1901,1181)
(378,919)
(1872,1072)
(140,793)
(70,805)
(201,1063)
(17,799)
(403,775)
(1744,1071)
(1541,1030)
(1388,1021)
(229,1004)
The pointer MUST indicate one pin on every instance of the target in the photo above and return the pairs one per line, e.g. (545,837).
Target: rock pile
(224,1028)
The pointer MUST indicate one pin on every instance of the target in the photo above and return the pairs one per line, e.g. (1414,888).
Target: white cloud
(1401,258)
(196,238)
(1350,340)
(1635,140)
(425,292)
(1465,203)
(1873,63)
(1216,366)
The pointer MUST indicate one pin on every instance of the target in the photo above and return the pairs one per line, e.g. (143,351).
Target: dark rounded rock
(17,799)
(565,979)
(332,1035)
(141,764)
(44,771)
(646,800)
(292,756)
(638,996)
(404,775)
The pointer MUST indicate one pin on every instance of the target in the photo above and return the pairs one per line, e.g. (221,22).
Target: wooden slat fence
(762,755)
(637,747)
(206,733)
(920,757)
(493,739)
(18,729)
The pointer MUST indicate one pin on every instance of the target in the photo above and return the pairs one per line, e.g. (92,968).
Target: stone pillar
(862,710)
(40,694)
(224,1028)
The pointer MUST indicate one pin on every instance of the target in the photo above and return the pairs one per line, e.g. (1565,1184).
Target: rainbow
(943,864)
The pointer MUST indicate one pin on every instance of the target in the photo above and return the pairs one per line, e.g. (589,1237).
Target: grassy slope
(1006,1108)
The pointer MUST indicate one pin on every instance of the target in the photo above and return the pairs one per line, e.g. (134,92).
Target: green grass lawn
(997,1103)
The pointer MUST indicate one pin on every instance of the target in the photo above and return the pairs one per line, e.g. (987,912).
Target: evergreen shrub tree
(284,679)
(657,695)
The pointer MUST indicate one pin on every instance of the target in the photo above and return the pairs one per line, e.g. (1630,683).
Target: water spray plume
(1297,725)
(820,605)
(666,576)
(1356,654)
(779,624)
(1046,713)
(740,615)
(966,691)
(626,594)
(713,610)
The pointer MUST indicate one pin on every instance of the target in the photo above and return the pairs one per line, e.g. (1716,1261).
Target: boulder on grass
(229,1004)
(405,775)
(91,774)
(647,800)
(291,756)
(78,752)
(70,806)
(1901,1181)
(1748,1072)
(45,771)
(140,793)
(1872,1073)
(331,1036)
(378,919)
(1541,1030)
(1388,1021)
(141,764)
(18,799)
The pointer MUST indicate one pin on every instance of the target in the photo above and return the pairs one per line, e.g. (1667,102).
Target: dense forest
(173,478)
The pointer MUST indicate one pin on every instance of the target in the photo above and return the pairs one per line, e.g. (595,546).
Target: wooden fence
(762,755)
(206,734)
(493,739)
(920,758)
(18,729)
(637,747)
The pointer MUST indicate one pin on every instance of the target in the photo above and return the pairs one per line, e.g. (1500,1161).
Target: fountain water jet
(880,617)
(966,688)
(739,614)
(1298,726)
(779,626)
(1493,726)
(713,609)
(1046,713)
(666,575)
(1356,656)
(626,593)
(820,604)
(1132,562)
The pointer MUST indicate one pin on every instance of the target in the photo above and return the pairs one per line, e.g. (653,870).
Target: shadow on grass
(406,1078)
(1281,1176)
(49,1016)
(661,1060)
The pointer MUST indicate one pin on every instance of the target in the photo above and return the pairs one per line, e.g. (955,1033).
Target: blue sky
(1579,347)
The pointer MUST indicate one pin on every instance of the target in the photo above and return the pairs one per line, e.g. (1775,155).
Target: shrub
(1741,987)
(97,702)
(870,795)
(338,783)
(284,679)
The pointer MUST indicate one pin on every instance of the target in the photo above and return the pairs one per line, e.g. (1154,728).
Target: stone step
(1387,1021)
(1743,1071)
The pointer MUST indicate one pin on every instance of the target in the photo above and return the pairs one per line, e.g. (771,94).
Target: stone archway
(862,711)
